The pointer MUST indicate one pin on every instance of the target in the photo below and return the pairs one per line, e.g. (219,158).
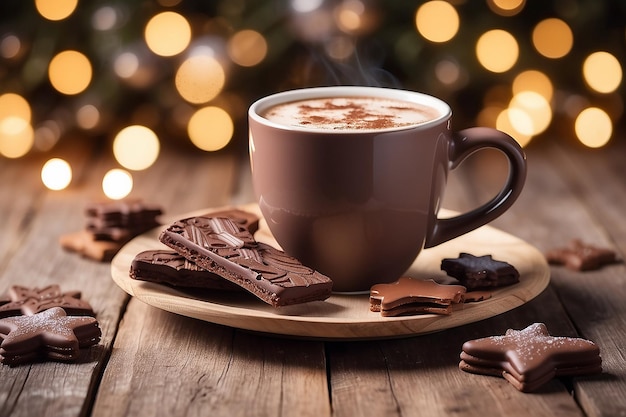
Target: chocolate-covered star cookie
(50,334)
(414,296)
(580,256)
(480,271)
(530,357)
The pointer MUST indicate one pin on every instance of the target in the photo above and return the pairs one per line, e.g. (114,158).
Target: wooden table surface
(154,363)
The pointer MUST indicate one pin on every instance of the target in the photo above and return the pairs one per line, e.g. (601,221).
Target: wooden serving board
(343,316)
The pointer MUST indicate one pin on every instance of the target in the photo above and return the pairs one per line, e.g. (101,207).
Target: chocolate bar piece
(168,267)
(243,218)
(122,212)
(222,246)
(29,301)
(119,221)
(414,296)
(50,334)
(530,357)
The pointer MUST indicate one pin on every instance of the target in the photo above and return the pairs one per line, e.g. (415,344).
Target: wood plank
(595,299)
(20,190)
(37,260)
(164,364)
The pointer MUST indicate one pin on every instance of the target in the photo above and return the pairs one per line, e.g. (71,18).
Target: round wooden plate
(343,316)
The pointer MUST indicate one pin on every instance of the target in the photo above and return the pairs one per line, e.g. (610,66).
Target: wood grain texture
(157,363)
(164,364)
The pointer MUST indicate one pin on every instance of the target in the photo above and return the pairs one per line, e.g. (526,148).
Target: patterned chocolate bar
(222,246)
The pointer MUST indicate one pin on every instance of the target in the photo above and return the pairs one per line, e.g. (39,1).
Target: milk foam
(350,113)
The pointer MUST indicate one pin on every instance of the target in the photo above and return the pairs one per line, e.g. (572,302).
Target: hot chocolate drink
(350,179)
(350,113)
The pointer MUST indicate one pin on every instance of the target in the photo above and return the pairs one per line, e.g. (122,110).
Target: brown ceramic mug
(356,194)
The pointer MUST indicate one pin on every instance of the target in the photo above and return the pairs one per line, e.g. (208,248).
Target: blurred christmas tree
(188,69)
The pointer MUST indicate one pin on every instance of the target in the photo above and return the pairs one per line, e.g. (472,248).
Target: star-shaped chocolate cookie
(580,256)
(50,334)
(414,296)
(530,357)
(28,301)
(480,271)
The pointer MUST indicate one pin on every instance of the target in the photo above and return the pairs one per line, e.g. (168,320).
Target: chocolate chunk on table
(228,249)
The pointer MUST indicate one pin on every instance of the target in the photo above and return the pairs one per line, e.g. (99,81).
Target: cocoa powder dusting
(351,113)
(356,116)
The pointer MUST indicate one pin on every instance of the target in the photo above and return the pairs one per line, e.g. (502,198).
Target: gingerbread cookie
(579,256)
(29,301)
(84,243)
(480,271)
(414,296)
(50,334)
(530,357)
(109,226)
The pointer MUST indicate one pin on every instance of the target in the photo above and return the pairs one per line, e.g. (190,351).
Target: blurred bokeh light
(593,127)
(168,34)
(199,79)
(506,7)
(70,72)
(136,147)
(56,9)
(533,80)
(56,174)
(117,183)
(247,48)
(553,38)
(602,72)
(437,21)
(497,50)
(16,137)
(210,128)
(186,71)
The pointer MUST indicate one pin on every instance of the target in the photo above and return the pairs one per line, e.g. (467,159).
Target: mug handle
(464,143)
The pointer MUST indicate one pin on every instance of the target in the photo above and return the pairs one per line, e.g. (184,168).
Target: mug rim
(445,112)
